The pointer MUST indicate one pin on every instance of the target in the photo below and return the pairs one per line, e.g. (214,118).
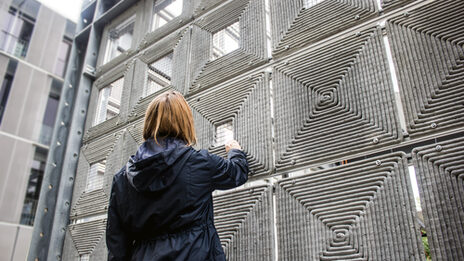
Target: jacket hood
(151,168)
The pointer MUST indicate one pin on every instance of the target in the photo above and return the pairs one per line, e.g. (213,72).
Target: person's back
(161,204)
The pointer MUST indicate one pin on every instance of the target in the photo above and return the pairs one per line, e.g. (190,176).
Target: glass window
(90,218)
(51,110)
(6,86)
(15,33)
(96,176)
(224,133)
(165,11)
(159,74)
(120,39)
(109,101)
(226,40)
(63,56)
(33,187)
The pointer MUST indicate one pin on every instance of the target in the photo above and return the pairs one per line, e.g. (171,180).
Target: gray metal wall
(370,84)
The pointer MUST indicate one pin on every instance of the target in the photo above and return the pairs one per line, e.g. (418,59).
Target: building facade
(339,105)
(35,43)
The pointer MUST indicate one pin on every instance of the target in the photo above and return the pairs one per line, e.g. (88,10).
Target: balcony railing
(13,45)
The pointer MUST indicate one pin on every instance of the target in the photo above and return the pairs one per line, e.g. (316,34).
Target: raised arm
(231,172)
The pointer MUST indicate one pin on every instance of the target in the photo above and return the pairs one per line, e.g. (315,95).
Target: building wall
(334,103)
(22,122)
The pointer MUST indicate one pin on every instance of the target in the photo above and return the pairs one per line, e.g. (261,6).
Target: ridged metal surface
(84,241)
(205,72)
(341,101)
(90,203)
(440,174)
(246,104)
(296,24)
(427,46)
(243,222)
(359,211)
(99,149)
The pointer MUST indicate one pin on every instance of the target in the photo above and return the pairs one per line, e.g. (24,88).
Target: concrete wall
(22,122)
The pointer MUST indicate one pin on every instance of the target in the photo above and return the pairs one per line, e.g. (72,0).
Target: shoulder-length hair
(169,115)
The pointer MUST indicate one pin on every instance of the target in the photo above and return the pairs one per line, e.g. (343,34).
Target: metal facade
(331,100)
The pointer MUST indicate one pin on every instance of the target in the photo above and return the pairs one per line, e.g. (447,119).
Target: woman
(161,206)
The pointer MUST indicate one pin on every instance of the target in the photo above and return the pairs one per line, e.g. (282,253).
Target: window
(33,187)
(159,74)
(109,101)
(224,133)
(90,218)
(15,33)
(226,40)
(120,39)
(51,110)
(165,11)
(6,86)
(95,177)
(63,56)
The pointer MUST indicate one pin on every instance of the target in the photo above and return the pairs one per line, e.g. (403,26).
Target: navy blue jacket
(161,205)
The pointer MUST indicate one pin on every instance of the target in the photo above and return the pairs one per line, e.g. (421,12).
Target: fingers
(232,144)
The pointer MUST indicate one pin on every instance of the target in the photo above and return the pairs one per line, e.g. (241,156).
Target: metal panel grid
(326,97)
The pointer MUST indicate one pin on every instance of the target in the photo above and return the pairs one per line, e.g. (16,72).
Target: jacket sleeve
(117,240)
(229,173)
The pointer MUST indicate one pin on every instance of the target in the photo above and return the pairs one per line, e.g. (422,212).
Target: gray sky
(68,8)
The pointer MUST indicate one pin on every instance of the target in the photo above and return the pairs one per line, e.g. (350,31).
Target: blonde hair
(169,115)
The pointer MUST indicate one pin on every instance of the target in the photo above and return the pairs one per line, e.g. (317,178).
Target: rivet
(358,34)
(133,126)
(287,47)
(433,125)
(438,148)
(286,63)
(63,229)
(70,86)
(50,186)
(340,235)
(45,210)
(79,132)
(58,143)
(62,123)
(75,155)
(198,99)
(41,234)
(293,162)
(71,179)
(66,104)
(87,91)
(66,203)
(356,17)
(378,162)
(82,111)
(375,140)
(54,164)
(405,14)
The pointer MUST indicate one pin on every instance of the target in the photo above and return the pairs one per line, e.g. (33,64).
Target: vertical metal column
(63,202)
(54,202)
(48,194)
